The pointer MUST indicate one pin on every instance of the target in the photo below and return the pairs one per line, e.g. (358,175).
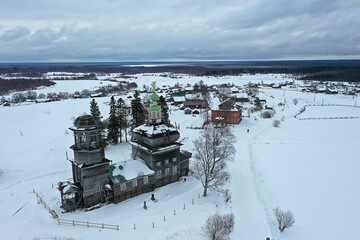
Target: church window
(158,174)
(146,180)
(167,172)
(174,170)
(122,186)
(134,183)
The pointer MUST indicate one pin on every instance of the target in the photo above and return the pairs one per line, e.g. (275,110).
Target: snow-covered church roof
(150,130)
(130,169)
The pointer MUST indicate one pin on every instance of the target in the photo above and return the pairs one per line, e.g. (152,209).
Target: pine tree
(113,126)
(95,111)
(121,117)
(164,111)
(257,103)
(137,111)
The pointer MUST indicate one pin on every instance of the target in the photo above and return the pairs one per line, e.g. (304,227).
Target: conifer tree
(95,111)
(257,103)
(164,111)
(137,111)
(113,126)
(121,117)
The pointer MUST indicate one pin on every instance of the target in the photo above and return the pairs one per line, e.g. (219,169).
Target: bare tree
(85,92)
(18,97)
(276,123)
(31,95)
(219,227)
(285,219)
(267,114)
(213,149)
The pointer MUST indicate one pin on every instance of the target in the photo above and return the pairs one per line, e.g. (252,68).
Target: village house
(239,97)
(228,111)
(194,104)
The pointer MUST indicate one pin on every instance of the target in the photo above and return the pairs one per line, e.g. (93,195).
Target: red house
(228,112)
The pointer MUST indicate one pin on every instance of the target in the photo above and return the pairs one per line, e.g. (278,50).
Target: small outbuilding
(187,111)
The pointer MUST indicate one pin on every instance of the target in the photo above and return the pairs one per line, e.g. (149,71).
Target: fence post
(192,201)
(117,227)
(198,195)
(184,206)
(102,225)
(164,219)
(87,224)
(73,223)
(134,225)
(174,212)
(58,221)
(153,224)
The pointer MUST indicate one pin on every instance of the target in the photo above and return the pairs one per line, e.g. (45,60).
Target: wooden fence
(88,224)
(319,118)
(51,211)
(336,105)
(324,105)
(100,225)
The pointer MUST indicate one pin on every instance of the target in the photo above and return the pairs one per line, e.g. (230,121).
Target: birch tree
(213,149)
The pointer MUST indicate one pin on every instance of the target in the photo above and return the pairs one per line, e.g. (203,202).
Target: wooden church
(156,161)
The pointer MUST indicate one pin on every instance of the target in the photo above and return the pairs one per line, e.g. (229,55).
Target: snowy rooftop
(179,99)
(154,129)
(239,95)
(196,96)
(130,169)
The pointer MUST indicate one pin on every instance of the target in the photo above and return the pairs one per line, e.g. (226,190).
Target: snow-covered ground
(310,167)
(70,86)
(330,111)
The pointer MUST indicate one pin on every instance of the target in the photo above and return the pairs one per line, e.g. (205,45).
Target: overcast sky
(145,30)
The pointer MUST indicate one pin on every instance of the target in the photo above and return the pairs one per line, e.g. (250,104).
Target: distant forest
(322,70)
(344,76)
(22,84)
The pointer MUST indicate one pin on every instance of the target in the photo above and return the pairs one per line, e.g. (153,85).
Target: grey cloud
(15,34)
(156,30)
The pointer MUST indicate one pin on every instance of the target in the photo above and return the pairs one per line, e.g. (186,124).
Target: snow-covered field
(72,86)
(310,167)
(330,111)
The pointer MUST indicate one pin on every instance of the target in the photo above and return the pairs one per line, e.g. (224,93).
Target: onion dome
(85,121)
(155,108)
(154,97)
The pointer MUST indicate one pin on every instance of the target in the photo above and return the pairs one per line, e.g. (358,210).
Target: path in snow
(252,216)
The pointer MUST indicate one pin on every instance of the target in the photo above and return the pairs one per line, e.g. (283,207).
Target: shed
(196,111)
(187,111)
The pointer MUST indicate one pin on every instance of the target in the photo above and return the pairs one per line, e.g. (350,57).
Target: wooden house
(228,112)
(195,104)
